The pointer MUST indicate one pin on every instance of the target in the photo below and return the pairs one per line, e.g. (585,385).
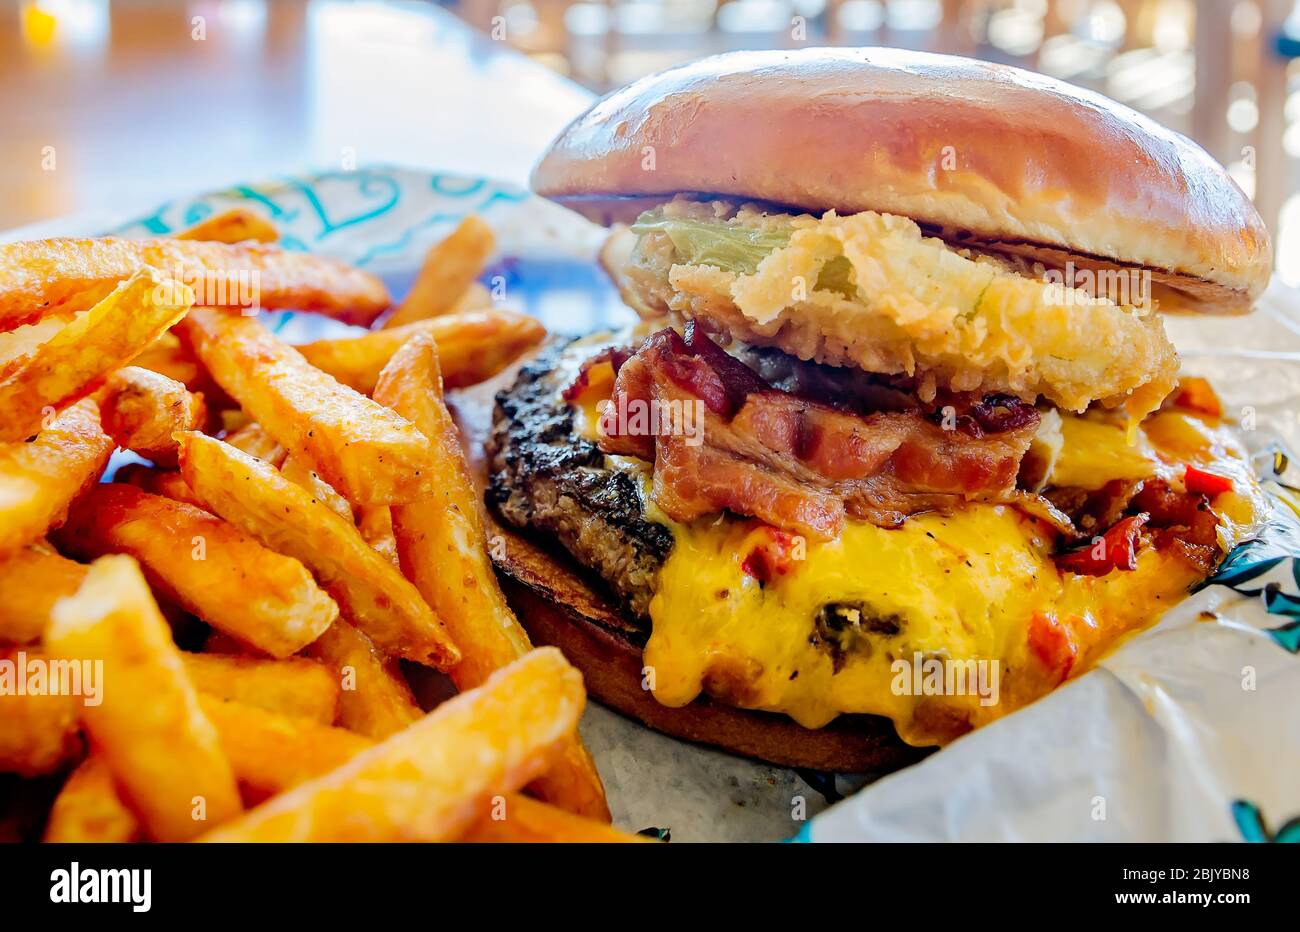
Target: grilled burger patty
(544,475)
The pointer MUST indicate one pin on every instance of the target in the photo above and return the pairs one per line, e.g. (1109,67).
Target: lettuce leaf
(732,248)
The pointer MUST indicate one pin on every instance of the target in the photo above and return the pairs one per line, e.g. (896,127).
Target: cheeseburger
(900,444)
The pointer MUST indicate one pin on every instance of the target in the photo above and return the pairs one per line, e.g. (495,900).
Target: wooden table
(133,103)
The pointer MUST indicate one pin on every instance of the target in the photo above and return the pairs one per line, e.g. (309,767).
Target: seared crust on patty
(543,475)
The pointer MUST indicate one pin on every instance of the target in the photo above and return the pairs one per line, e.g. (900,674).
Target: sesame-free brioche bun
(983,153)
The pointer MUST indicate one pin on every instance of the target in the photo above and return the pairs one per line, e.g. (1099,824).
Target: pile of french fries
(210,645)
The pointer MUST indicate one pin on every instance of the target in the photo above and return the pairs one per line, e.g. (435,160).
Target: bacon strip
(796,463)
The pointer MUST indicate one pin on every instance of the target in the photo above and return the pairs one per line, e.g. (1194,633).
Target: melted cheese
(979,586)
(1095,451)
(956,588)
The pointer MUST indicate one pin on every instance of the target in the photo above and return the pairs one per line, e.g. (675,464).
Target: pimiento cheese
(944,589)
(879,620)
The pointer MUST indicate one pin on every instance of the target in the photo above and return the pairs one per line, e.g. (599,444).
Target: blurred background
(134,106)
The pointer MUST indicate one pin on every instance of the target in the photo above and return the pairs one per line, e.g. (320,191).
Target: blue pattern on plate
(394,205)
(1268,567)
(384,218)
(1253,827)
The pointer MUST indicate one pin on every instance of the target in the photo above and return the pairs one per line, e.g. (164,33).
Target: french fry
(235,225)
(163,753)
(472,346)
(255,498)
(268,754)
(476,297)
(38,726)
(141,409)
(168,483)
(449,269)
(375,522)
(89,808)
(296,470)
(234,419)
(253,439)
(203,564)
(61,276)
(218,642)
(440,540)
(79,357)
(375,700)
(365,451)
(442,550)
(517,818)
(168,356)
(39,479)
(271,753)
(295,687)
(18,343)
(429,782)
(31,581)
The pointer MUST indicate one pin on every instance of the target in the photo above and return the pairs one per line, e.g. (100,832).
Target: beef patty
(543,475)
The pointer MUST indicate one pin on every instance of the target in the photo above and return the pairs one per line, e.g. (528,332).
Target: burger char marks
(543,475)
(802,463)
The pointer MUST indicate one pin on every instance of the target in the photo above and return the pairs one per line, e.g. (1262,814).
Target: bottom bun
(558,607)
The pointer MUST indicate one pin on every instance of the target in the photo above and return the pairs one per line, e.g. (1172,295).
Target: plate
(1162,735)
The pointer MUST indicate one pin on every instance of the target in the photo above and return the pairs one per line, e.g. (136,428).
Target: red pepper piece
(1053,644)
(1117,550)
(773,555)
(1206,483)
